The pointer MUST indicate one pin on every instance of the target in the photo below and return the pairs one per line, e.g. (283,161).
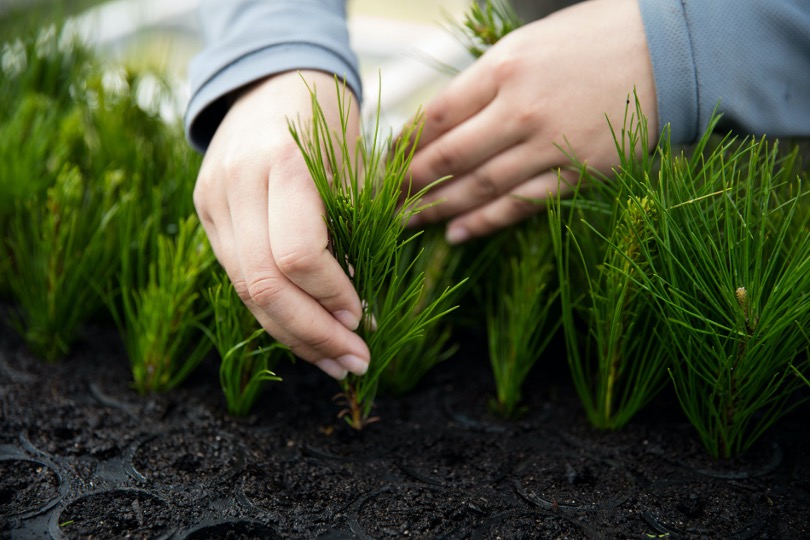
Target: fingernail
(353,364)
(332,368)
(457,235)
(347,319)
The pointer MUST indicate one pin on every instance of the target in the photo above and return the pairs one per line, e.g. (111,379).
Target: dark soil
(84,456)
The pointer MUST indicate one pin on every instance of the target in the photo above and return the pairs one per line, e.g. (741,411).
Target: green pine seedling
(61,249)
(368,203)
(438,262)
(733,284)
(519,305)
(485,24)
(160,313)
(603,247)
(245,364)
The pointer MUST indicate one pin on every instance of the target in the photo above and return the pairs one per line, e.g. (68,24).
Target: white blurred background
(405,45)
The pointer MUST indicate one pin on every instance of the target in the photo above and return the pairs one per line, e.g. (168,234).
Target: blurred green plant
(485,24)
(62,249)
(520,303)
(21,17)
(246,363)
(439,263)
(161,314)
(366,220)
(78,139)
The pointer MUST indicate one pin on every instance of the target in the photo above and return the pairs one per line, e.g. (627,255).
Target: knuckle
(242,290)
(524,119)
(436,115)
(505,66)
(261,291)
(447,159)
(483,184)
(297,261)
(233,169)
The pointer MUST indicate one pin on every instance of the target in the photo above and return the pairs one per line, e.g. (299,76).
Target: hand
(552,82)
(264,219)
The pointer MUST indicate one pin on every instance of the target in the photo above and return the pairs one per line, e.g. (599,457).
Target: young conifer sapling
(245,363)
(367,202)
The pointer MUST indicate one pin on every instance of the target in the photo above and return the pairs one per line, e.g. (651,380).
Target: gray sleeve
(750,56)
(246,40)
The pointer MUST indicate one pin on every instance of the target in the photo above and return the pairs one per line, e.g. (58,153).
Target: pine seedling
(733,283)
(61,249)
(246,364)
(519,306)
(35,144)
(367,204)
(485,24)
(438,262)
(603,247)
(160,313)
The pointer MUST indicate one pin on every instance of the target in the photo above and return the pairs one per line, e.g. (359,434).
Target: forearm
(248,40)
(750,57)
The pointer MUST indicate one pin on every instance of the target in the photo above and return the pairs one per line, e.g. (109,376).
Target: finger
(487,182)
(223,242)
(288,313)
(300,245)
(465,96)
(466,146)
(520,203)
(332,368)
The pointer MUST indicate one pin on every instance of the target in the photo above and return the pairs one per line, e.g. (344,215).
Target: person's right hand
(264,219)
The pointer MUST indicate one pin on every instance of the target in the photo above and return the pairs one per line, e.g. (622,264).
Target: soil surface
(84,456)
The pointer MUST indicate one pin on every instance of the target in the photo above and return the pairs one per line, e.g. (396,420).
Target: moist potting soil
(84,456)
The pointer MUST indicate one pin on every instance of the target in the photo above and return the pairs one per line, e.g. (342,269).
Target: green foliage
(801,376)
(161,312)
(439,263)
(24,17)
(245,363)
(733,283)
(698,263)
(485,24)
(76,143)
(61,249)
(366,219)
(603,246)
(48,62)
(520,302)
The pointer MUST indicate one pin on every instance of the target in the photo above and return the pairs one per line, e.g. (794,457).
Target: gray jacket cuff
(209,104)
(248,40)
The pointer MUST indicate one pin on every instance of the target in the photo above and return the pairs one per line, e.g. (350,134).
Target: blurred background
(407,45)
